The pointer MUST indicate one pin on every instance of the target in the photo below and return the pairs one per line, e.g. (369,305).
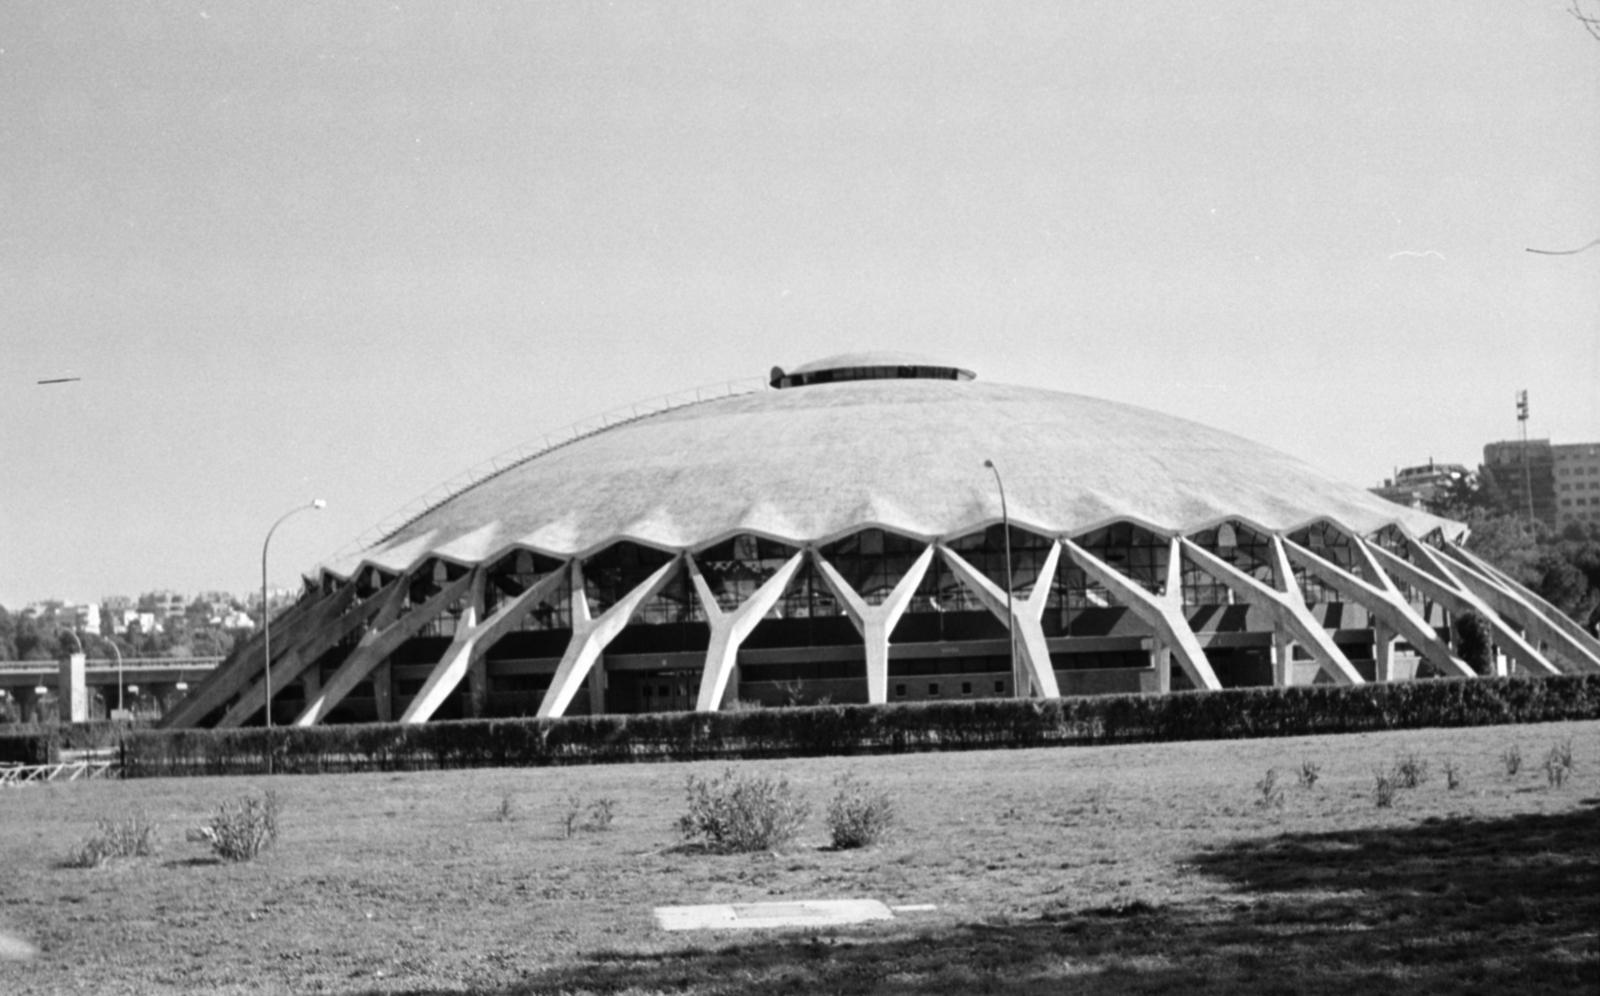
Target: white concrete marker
(915,908)
(748,916)
(15,948)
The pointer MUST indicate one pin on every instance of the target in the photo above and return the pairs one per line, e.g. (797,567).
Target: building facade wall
(1576,468)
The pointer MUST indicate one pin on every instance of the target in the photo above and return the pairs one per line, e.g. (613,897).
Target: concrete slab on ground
(748,916)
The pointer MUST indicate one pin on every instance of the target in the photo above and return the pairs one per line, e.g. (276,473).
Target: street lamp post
(266,615)
(1011,619)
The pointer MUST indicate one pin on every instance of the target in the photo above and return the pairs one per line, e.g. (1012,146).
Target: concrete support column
(477,687)
(383,691)
(596,686)
(1161,660)
(73,692)
(27,703)
(1282,659)
(1383,641)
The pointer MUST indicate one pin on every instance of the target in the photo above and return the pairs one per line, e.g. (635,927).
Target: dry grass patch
(1045,880)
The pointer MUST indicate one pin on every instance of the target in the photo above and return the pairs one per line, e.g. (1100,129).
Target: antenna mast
(1527,475)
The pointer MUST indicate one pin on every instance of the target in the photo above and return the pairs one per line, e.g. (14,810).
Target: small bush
(596,815)
(1099,798)
(242,830)
(131,836)
(742,812)
(1271,791)
(858,816)
(1409,772)
(1310,771)
(1384,789)
(571,816)
(1512,759)
(507,812)
(1452,776)
(1558,764)
(601,813)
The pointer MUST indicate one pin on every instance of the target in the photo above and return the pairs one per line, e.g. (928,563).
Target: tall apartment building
(1564,477)
(1576,473)
(1515,467)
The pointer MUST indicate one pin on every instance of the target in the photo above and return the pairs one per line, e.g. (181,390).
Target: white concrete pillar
(72,690)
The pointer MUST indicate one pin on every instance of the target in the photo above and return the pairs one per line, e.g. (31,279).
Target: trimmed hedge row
(34,743)
(861,729)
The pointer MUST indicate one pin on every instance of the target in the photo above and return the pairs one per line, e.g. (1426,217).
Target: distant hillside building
(1418,487)
(165,604)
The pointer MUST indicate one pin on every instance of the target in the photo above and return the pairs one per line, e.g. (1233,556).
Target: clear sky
(348,250)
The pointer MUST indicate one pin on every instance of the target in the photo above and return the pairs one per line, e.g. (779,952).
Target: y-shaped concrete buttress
(729,629)
(378,608)
(1444,588)
(1164,614)
(590,636)
(474,639)
(1386,605)
(1537,626)
(301,624)
(876,622)
(376,646)
(1286,607)
(1554,616)
(1029,613)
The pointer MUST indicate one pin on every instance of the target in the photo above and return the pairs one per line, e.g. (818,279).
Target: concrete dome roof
(808,464)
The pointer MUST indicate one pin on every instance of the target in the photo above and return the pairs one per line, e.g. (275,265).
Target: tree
(8,633)
(1475,642)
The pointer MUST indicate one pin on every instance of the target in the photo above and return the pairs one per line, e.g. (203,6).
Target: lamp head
(989,464)
(319,503)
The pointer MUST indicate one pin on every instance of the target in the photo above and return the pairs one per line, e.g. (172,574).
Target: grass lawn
(1113,869)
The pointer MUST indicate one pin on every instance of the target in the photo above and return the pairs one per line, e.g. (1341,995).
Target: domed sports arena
(878,528)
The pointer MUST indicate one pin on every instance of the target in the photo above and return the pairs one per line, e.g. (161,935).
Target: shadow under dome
(809,465)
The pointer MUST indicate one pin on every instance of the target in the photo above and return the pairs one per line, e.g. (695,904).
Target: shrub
(596,815)
(1409,772)
(241,830)
(1558,764)
(571,813)
(1310,771)
(601,813)
(131,836)
(858,816)
(1384,789)
(1271,791)
(742,812)
(1452,776)
(1512,759)
(507,812)
(1475,642)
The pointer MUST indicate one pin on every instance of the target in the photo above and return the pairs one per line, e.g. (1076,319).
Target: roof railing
(507,460)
